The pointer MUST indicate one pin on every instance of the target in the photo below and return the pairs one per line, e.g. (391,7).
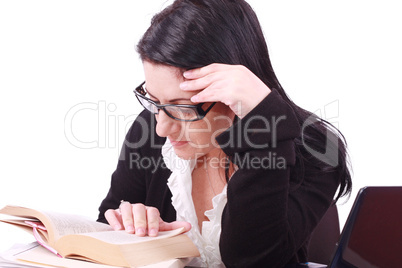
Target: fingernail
(140,231)
(152,232)
(187,74)
(183,85)
(117,227)
(130,228)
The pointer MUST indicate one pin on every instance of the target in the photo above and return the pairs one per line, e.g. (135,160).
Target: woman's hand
(234,85)
(140,219)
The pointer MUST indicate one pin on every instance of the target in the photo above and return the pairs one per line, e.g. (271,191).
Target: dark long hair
(194,33)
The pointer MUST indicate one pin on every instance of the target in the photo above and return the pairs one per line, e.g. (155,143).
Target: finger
(213,93)
(203,71)
(153,217)
(127,216)
(140,219)
(168,226)
(113,217)
(202,82)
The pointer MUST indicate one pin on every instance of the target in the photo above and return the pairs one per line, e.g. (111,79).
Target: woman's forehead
(163,82)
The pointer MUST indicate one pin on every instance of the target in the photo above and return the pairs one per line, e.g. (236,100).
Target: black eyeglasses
(181,112)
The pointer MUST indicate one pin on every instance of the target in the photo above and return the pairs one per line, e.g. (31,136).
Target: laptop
(372,235)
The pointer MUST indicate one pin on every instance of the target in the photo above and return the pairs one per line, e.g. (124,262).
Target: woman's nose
(166,125)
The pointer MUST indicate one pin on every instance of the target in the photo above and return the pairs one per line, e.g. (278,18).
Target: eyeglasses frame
(201,113)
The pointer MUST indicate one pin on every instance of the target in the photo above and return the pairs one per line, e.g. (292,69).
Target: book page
(74,224)
(58,224)
(37,256)
(32,255)
(122,237)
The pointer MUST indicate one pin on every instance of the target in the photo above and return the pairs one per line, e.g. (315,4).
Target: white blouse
(180,184)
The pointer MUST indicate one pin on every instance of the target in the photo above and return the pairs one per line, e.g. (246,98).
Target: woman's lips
(178,143)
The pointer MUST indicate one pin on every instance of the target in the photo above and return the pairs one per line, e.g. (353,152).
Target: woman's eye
(188,112)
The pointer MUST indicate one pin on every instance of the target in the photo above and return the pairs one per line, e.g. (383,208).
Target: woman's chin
(184,155)
(188,154)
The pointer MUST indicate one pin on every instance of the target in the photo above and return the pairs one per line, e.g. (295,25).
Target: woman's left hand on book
(141,220)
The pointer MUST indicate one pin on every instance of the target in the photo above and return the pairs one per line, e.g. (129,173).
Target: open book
(72,236)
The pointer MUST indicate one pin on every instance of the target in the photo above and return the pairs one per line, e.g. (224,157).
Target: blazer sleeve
(267,219)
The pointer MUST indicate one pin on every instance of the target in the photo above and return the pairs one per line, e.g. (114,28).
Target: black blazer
(271,209)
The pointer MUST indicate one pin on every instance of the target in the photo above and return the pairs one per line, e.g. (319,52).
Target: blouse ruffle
(180,184)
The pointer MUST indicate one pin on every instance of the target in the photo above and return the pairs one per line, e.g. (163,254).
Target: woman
(230,157)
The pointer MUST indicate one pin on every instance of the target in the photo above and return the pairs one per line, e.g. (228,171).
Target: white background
(342,58)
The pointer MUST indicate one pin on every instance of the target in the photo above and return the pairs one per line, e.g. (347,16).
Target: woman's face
(190,140)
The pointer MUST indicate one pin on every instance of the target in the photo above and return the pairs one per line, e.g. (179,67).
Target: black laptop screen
(376,236)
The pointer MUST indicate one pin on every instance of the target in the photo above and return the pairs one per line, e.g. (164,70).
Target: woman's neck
(216,162)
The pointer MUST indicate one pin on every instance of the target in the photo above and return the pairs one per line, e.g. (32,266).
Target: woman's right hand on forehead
(140,220)
(234,85)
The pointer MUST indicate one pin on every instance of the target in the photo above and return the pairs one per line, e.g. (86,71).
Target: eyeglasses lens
(182,113)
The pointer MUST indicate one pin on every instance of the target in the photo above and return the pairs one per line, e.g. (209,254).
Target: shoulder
(271,122)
